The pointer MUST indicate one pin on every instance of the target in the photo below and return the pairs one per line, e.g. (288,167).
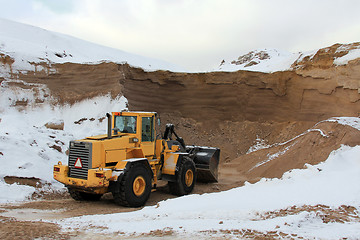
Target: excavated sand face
(239,96)
(230,110)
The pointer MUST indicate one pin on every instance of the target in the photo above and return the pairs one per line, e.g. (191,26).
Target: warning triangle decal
(78,163)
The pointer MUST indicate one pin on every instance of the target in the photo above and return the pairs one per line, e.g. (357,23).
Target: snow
(307,54)
(272,157)
(259,144)
(14,192)
(352,54)
(28,148)
(332,183)
(264,60)
(349,121)
(28,44)
(274,60)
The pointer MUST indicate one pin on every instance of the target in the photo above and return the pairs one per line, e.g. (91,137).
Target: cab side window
(147,129)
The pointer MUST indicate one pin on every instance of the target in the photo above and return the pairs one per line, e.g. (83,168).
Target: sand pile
(311,147)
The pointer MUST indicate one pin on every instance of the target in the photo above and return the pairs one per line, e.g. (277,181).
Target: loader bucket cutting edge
(206,161)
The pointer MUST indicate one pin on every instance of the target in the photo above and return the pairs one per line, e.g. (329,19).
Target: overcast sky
(195,34)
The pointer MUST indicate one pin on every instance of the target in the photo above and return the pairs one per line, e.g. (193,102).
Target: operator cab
(139,123)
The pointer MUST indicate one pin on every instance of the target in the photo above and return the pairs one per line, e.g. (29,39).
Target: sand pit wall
(228,110)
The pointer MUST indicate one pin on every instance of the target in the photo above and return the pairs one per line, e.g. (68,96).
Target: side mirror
(159,121)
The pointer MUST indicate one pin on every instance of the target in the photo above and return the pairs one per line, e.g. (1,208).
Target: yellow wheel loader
(129,160)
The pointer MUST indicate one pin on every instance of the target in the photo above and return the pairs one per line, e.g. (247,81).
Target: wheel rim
(139,186)
(189,177)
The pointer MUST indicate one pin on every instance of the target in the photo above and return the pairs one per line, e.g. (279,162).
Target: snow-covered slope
(30,146)
(261,60)
(254,208)
(28,44)
(273,60)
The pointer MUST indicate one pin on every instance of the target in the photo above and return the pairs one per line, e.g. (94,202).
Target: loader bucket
(206,161)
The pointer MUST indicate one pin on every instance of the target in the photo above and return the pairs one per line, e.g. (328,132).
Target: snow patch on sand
(259,144)
(274,60)
(348,121)
(14,192)
(335,184)
(351,55)
(271,157)
(261,60)
(30,149)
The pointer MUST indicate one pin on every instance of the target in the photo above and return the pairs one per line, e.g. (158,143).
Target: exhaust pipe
(108,115)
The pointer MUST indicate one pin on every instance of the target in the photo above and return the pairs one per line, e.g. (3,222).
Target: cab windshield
(125,124)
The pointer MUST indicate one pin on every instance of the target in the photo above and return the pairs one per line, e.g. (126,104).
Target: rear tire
(83,196)
(185,179)
(134,188)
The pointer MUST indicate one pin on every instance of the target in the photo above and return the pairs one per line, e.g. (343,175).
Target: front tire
(83,196)
(185,179)
(134,188)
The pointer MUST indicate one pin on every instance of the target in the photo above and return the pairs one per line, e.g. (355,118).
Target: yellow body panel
(115,155)
(170,164)
(148,148)
(93,184)
(134,153)
(159,147)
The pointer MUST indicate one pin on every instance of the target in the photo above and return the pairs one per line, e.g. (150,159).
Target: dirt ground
(25,220)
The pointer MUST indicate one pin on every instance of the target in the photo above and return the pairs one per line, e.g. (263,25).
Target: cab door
(148,136)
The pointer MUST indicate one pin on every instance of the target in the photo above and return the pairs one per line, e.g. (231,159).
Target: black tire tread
(177,188)
(83,196)
(119,192)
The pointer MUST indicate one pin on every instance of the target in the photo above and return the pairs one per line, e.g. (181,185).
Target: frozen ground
(332,183)
(29,149)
